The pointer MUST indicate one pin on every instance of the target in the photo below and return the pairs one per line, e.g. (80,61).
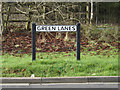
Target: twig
(20,10)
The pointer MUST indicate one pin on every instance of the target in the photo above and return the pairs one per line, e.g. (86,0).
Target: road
(61,85)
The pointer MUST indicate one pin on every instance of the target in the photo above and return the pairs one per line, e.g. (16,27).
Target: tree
(91,18)
(0,18)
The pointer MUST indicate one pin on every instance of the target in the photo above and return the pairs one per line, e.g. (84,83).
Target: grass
(60,65)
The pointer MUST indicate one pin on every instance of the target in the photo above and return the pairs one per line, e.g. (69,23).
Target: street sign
(55,28)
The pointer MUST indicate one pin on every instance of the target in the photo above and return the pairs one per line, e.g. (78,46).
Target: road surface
(60,85)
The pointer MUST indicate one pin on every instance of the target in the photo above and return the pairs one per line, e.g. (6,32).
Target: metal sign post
(78,41)
(33,42)
(55,28)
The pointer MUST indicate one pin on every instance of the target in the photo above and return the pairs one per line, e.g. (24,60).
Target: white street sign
(56,28)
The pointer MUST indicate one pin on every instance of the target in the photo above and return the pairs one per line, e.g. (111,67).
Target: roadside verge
(82,79)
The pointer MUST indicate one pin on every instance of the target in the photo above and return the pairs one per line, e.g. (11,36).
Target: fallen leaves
(23,70)
(22,42)
(18,71)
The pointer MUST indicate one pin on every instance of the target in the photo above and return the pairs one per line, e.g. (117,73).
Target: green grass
(60,65)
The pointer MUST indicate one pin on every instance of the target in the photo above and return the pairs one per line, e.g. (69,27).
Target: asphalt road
(61,85)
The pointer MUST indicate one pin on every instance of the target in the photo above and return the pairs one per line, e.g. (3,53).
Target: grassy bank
(61,64)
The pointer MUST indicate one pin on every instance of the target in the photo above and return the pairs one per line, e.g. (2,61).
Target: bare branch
(20,10)
(46,13)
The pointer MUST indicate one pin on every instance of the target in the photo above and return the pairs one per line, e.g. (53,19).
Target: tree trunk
(1,24)
(96,13)
(0,31)
(66,38)
(43,34)
(28,18)
(87,14)
(91,18)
